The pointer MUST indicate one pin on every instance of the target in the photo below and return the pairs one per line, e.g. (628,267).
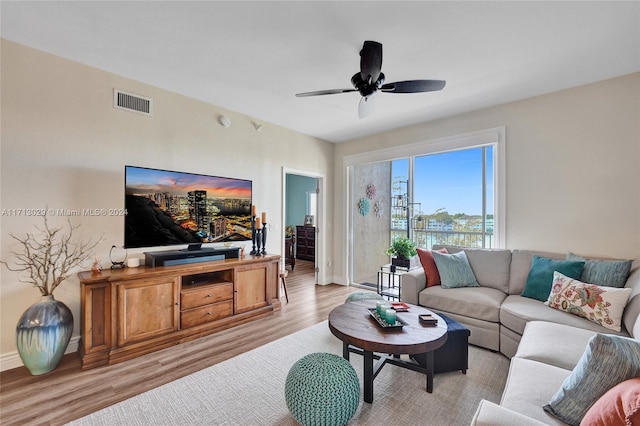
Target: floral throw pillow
(600,304)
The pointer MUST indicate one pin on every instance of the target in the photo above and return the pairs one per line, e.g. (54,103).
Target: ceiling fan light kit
(370,80)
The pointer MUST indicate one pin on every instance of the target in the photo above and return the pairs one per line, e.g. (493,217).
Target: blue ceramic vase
(43,333)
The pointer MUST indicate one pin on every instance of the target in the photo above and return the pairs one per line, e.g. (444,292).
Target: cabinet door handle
(208,313)
(208,295)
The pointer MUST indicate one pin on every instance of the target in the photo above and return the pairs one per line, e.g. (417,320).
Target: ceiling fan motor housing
(364,87)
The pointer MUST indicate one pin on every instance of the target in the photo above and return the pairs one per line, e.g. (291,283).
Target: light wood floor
(68,393)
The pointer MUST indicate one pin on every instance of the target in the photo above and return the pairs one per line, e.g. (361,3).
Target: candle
(390,316)
(379,305)
(258,224)
(264,217)
(253,210)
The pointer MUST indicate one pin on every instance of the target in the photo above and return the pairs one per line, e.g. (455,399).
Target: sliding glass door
(434,199)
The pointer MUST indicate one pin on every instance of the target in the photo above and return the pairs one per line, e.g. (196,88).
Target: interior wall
(64,146)
(297,188)
(572,168)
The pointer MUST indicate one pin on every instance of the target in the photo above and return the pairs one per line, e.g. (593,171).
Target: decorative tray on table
(399,323)
(428,320)
(400,306)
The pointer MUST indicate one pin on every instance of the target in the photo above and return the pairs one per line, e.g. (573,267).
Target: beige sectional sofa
(495,312)
(546,356)
(544,344)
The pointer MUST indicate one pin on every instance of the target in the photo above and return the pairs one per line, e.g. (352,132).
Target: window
(451,198)
(312,199)
(443,191)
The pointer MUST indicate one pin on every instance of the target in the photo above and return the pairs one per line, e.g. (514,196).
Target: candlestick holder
(264,238)
(253,235)
(258,241)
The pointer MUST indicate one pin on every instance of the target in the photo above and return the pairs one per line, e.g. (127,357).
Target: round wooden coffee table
(360,333)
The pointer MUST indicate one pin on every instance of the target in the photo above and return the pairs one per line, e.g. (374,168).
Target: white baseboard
(334,280)
(12,360)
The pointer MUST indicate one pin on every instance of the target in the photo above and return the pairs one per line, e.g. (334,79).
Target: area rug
(249,390)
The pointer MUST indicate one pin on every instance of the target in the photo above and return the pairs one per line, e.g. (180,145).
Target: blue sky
(451,180)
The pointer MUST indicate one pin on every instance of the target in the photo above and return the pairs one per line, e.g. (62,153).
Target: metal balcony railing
(428,238)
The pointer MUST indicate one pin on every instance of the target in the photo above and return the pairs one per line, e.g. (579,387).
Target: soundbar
(186,256)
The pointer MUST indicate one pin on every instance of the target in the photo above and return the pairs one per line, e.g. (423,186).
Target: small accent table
(390,280)
(352,323)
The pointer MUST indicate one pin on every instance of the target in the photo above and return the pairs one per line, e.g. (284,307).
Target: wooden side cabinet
(306,242)
(250,288)
(134,311)
(147,308)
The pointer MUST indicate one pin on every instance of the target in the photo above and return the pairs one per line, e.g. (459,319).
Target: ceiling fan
(370,80)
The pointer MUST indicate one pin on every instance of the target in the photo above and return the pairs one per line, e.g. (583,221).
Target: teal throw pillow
(608,273)
(540,278)
(454,270)
(607,361)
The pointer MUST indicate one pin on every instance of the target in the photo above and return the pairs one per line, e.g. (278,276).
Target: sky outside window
(451,181)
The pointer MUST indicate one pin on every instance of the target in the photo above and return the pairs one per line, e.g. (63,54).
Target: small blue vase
(43,333)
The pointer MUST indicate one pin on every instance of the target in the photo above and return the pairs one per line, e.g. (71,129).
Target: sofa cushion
(521,265)
(540,276)
(492,414)
(429,265)
(610,273)
(597,303)
(620,406)
(631,316)
(529,386)
(607,361)
(491,267)
(482,303)
(516,311)
(554,344)
(454,270)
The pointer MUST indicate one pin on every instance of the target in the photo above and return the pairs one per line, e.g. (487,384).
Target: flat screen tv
(166,208)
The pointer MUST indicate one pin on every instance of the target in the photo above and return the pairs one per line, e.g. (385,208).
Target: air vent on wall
(133,103)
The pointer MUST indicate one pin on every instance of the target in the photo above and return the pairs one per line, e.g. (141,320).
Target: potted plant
(47,259)
(403,249)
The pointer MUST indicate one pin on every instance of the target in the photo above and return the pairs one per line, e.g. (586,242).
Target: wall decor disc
(364,206)
(371,191)
(378,208)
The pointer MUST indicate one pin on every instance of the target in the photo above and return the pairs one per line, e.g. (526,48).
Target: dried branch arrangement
(49,257)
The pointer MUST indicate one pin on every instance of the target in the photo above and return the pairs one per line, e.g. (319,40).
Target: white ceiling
(252,57)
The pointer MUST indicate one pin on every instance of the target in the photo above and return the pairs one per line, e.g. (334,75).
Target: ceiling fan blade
(370,61)
(366,106)
(413,86)
(324,92)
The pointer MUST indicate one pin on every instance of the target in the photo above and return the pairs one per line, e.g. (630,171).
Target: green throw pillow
(608,273)
(538,285)
(607,361)
(454,270)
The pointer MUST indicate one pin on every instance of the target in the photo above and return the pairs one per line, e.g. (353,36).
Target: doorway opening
(303,221)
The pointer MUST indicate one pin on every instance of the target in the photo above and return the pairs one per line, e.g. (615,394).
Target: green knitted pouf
(363,295)
(322,389)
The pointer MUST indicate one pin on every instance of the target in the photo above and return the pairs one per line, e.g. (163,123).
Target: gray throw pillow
(454,270)
(607,361)
(609,273)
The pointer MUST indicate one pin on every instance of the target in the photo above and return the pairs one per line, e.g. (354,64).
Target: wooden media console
(130,312)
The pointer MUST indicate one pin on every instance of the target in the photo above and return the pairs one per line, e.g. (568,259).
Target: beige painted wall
(572,170)
(64,146)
